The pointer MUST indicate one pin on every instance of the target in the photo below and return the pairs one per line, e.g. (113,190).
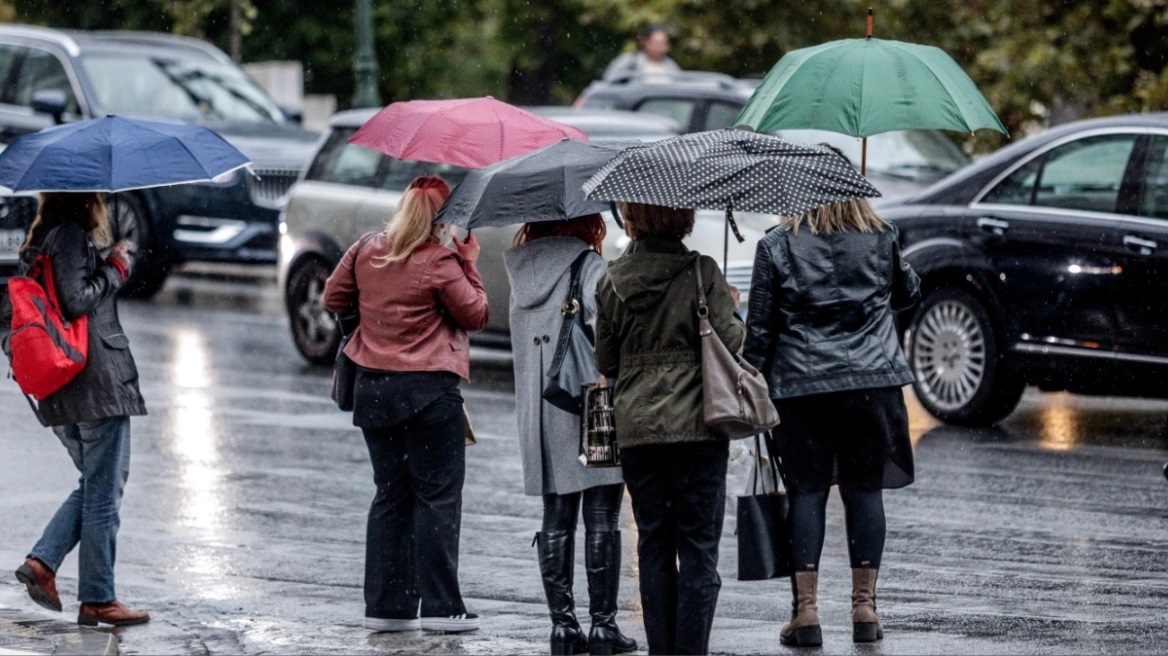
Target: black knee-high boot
(557,551)
(602,559)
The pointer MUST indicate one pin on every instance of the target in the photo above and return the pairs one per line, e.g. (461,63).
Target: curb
(25,633)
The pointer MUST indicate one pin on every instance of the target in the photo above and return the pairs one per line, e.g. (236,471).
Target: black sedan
(1044,264)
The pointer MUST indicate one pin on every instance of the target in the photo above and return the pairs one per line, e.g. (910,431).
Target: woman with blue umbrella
(71,165)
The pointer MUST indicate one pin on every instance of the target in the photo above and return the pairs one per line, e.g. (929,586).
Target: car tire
(151,261)
(314,329)
(961,375)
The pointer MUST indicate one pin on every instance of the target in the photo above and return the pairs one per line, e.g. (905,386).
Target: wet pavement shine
(243,522)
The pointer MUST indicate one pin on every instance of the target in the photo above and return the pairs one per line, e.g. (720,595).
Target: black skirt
(857,439)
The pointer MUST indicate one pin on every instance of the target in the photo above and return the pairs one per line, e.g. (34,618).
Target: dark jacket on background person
(647,340)
(87,285)
(415,314)
(821,315)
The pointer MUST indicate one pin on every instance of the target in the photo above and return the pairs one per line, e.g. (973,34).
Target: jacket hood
(641,276)
(536,268)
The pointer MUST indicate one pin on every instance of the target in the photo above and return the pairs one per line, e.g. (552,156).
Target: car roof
(596,123)
(74,42)
(695,84)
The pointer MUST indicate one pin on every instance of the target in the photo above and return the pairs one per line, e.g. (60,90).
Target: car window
(678,109)
(343,163)
(41,71)
(1082,175)
(1154,197)
(721,115)
(7,58)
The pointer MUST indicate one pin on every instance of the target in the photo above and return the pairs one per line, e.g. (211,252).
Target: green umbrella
(866,86)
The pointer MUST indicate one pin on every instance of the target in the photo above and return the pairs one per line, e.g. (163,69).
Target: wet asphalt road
(243,521)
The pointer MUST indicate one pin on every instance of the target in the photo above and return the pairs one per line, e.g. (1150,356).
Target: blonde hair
(412,225)
(853,214)
(85,209)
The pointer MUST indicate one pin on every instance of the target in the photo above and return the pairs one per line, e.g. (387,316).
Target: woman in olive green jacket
(675,468)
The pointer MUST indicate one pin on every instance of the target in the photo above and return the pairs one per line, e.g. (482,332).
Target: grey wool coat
(540,274)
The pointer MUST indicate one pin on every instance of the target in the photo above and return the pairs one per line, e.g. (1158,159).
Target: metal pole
(365,94)
(236,28)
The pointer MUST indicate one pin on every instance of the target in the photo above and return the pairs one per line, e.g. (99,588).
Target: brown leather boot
(111,612)
(803,630)
(41,583)
(865,622)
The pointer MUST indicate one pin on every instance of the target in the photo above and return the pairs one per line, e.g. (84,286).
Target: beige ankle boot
(803,629)
(865,622)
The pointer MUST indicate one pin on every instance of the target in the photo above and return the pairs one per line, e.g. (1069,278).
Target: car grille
(272,184)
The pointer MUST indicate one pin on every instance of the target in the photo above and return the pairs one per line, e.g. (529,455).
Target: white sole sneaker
(455,624)
(381,625)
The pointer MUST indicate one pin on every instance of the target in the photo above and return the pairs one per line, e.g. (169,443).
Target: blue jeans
(101,452)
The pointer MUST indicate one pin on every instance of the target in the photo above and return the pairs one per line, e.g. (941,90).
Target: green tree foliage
(1036,60)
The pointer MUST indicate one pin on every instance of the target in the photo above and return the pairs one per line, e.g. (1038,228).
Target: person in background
(417,299)
(91,413)
(650,62)
(821,328)
(675,467)
(540,271)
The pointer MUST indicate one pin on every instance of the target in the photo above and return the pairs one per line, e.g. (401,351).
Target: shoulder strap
(703,309)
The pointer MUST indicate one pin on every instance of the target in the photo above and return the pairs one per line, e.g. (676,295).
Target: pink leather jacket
(415,314)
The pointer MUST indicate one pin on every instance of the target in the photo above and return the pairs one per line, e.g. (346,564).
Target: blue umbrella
(116,154)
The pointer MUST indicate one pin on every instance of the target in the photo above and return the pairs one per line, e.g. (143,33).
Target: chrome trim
(1096,132)
(215,231)
(1081,214)
(1088,353)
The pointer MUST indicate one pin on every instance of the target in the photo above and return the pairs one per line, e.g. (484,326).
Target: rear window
(340,162)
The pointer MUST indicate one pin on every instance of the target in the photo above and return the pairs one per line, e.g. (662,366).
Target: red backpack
(47,350)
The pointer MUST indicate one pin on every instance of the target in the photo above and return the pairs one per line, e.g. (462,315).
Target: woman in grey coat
(539,267)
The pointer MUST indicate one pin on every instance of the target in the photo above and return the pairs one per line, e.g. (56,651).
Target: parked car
(1044,264)
(349,190)
(53,76)
(899,163)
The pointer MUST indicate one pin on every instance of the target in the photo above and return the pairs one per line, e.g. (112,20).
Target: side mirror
(292,114)
(50,101)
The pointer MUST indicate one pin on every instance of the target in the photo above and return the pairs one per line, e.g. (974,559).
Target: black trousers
(678,493)
(411,548)
(601,509)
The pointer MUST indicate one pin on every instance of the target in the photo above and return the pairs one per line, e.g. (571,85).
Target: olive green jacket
(647,340)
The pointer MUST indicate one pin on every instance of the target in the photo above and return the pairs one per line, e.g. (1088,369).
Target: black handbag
(574,363)
(763,542)
(344,369)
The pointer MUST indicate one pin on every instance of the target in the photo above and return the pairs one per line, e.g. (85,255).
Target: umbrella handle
(734,225)
(616,216)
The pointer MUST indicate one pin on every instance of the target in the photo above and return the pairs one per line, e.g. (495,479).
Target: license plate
(10,243)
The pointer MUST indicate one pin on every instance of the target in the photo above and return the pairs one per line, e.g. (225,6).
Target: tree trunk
(235,28)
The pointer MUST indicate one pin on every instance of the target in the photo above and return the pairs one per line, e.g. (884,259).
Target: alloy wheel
(949,354)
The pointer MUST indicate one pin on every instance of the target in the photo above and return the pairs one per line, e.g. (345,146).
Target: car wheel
(961,377)
(314,329)
(151,263)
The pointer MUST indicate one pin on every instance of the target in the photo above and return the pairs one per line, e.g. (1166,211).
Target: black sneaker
(453,624)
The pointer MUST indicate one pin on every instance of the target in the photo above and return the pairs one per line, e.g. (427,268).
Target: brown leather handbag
(736,401)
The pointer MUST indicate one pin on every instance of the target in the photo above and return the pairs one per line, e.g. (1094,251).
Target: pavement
(243,522)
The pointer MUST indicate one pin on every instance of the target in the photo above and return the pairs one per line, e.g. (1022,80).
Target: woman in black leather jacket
(91,413)
(821,328)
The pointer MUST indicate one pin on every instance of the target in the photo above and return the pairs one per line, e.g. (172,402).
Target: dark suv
(52,76)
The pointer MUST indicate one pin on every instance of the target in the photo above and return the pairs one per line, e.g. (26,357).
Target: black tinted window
(1154,196)
(721,115)
(1082,175)
(7,58)
(42,71)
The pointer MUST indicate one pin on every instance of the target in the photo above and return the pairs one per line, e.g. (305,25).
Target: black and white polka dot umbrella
(730,169)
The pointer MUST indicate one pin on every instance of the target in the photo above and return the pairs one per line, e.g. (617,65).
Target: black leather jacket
(87,285)
(821,311)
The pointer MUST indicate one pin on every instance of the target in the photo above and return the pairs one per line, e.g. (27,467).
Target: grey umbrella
(543,185)
(730,170)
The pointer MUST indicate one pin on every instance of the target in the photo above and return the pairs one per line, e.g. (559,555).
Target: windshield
(927,152)
(184,90)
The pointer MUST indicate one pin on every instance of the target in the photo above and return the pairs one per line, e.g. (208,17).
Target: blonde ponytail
(412,225)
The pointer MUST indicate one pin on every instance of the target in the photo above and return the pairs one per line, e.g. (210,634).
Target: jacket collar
(657,245)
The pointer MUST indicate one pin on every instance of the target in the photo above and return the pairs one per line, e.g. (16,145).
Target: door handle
(1139,244)
(996,227)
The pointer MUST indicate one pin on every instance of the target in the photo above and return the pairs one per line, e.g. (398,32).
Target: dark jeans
(411,548)
(601,509)
(679,496)
(101,452)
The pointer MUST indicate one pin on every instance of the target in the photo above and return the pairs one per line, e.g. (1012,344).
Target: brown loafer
(113,612)
(41,583)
